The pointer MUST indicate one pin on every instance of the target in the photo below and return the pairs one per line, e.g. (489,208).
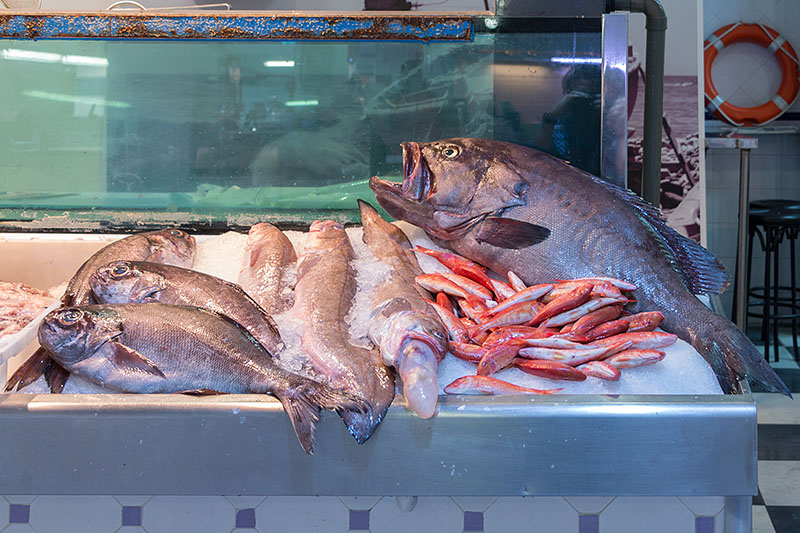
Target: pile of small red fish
(565,330)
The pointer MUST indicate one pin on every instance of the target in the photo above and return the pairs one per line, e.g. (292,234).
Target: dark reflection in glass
(301,125)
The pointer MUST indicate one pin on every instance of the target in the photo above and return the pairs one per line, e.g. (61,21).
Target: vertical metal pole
(614,117)
(653,111)
(738,514)
(741,261)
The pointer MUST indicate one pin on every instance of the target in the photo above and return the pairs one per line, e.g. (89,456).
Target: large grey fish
(514,208)
(123,282)
(268,260)
(409,333)
(160,348)
(323,296)
(169,245)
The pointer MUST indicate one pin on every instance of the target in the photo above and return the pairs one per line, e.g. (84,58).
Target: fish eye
(451,151)
(176,233)
(120,270)
(69,317)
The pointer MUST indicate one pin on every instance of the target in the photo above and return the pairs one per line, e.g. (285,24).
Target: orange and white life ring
(787,59)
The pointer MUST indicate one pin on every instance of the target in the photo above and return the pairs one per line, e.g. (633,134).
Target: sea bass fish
(169,245)
(509,207)
(268,260)
(408,331)
(123,282)
(159,348)
(324,293)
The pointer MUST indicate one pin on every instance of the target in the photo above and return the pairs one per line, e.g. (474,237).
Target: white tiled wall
(747,75)
(169,514)
(744,72)
(774,173)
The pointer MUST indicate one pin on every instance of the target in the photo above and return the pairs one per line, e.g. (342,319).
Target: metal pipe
(742,283)
(654,91)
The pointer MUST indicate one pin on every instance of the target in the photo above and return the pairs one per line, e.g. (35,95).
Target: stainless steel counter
(243,444)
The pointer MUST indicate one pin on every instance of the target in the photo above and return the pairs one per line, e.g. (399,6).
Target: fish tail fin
(732,355)
(304,401)
(31,370)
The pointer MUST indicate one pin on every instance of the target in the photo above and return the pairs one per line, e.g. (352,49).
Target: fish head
(324,236)
(72,334)
(260,232)
(411,331)
(449,185)
(125,282)
(172,246)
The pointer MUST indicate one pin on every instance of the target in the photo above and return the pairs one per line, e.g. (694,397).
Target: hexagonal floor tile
(79,514)
(302,513)
(438,514)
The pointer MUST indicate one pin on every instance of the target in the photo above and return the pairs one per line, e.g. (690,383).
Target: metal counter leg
(738,514)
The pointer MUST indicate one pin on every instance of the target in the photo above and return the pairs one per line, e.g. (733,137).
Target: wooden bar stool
(774,222)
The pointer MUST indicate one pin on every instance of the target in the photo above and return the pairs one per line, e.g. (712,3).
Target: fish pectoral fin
(129,359)
(510,233)
(201,392)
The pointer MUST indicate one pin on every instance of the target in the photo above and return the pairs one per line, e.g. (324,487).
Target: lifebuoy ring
(787,59)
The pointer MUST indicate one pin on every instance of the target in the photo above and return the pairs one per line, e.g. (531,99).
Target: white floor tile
(654,515)
(360,503)
(20,528)
(67,514)
(474,503)
(511,514)
(23,499)
(167,514)
(778,482)
(776,408)
(761,521)
(129,501)
(131,529)
(554,514)
(302,513)
(4,505)
(703,505)
(246,502)
(589,504)
(439,514)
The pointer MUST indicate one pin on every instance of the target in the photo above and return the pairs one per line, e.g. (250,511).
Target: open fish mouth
(417,178)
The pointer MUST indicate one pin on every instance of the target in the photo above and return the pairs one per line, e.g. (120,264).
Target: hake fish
(124,282)
(509,207)
(408,331)
(268,259)
(323,296)
(169,245)
(160,348)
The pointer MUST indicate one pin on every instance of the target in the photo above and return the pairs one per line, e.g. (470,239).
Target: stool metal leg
(793,309)
(765,312)
(776,291)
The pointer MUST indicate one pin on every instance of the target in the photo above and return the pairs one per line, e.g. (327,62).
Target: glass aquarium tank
(219,131)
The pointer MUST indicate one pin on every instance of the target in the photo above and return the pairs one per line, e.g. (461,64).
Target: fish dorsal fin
(130,360)
(701,271)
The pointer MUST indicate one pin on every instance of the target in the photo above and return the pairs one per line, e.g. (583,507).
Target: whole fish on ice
(160,348)
(123,282)
(268,259)
(323,296)
(408,331)
(170,245)
(509,207)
